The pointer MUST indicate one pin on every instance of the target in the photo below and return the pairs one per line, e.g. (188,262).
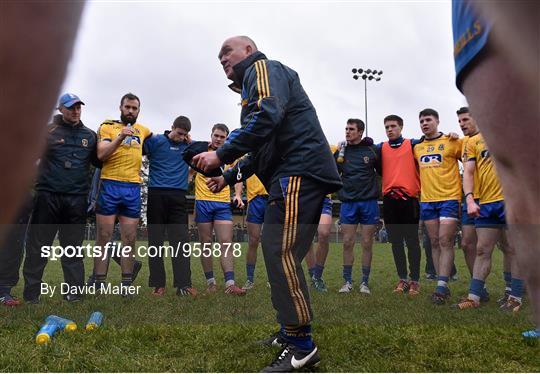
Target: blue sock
(365,274)
(299,336)
(477,287)
(517,288)
(250,271)
(318,271)
(442,284)
(507,279)
(229,276)
(347,273)
(209,275)
(311,272)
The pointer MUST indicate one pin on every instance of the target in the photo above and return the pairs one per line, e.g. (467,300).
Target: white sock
(474,297)
(442,284)
(210,281)
(229,283)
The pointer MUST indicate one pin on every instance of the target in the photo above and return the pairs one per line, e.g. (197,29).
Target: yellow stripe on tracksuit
(263,87)
(287,260)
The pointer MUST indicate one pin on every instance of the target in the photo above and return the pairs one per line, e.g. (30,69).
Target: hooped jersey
(439,170)
(124,164)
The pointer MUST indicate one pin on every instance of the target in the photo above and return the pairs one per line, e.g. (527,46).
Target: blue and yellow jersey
(125,162)
(490,188)
(333,149)
(439,171)
(254,188)
(476,190)
(202,192)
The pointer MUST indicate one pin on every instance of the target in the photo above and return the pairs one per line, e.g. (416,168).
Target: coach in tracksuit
(167,209)
(291,157)
(60,203)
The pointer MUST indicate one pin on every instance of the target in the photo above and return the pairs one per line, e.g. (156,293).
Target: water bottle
(95,321)
(46,332)
(341,154)
(127,139)
(63,323)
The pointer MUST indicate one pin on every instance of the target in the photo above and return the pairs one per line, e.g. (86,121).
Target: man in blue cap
(60,204)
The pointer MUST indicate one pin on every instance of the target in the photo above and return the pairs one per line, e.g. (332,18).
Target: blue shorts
(122,198)
(465,218)
(448,209)
(470,35)
(327,206)
(491,215)
(256,208)
(364,212)
(210,211)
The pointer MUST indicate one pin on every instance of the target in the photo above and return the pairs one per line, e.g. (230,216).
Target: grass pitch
(355,333)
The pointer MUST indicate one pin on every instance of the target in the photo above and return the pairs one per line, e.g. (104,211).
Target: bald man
(289,154)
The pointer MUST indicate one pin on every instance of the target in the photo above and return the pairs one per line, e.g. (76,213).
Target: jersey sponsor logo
(431,159)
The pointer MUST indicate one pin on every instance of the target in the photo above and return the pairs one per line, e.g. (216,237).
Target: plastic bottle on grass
(95,321)
(65,324)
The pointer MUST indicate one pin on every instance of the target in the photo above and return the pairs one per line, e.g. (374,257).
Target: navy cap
(68,100)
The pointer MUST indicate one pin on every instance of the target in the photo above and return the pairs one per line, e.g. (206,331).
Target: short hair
(394,117)
(183,123)
(429,112)
(220,126)
(358,122)
(463,110)
(129,96)
(250,41)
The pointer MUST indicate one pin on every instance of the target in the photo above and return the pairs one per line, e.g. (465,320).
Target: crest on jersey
(441,147)
(485,153)
(85,142)
(366,159)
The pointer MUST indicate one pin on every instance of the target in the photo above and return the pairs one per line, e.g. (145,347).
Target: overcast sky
(166,53)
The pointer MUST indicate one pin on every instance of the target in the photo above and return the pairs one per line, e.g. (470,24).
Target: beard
(127,120)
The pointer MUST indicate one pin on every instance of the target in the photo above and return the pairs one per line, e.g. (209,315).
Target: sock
(476,289)
(318,271)
(209,275)
(229,276)
(442,284)
(517,288)
(311,272)
(485,292)
(299,336)
(127,279)
(507,280)
(250,271)
(365,274)
(100,278)
(347,273)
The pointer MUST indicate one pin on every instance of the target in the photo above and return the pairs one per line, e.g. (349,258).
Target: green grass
(381,333)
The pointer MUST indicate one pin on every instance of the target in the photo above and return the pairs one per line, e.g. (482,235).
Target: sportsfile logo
(431,159)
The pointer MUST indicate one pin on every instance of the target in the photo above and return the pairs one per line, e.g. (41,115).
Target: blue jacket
(65,166)
(167,167)
(279,126)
